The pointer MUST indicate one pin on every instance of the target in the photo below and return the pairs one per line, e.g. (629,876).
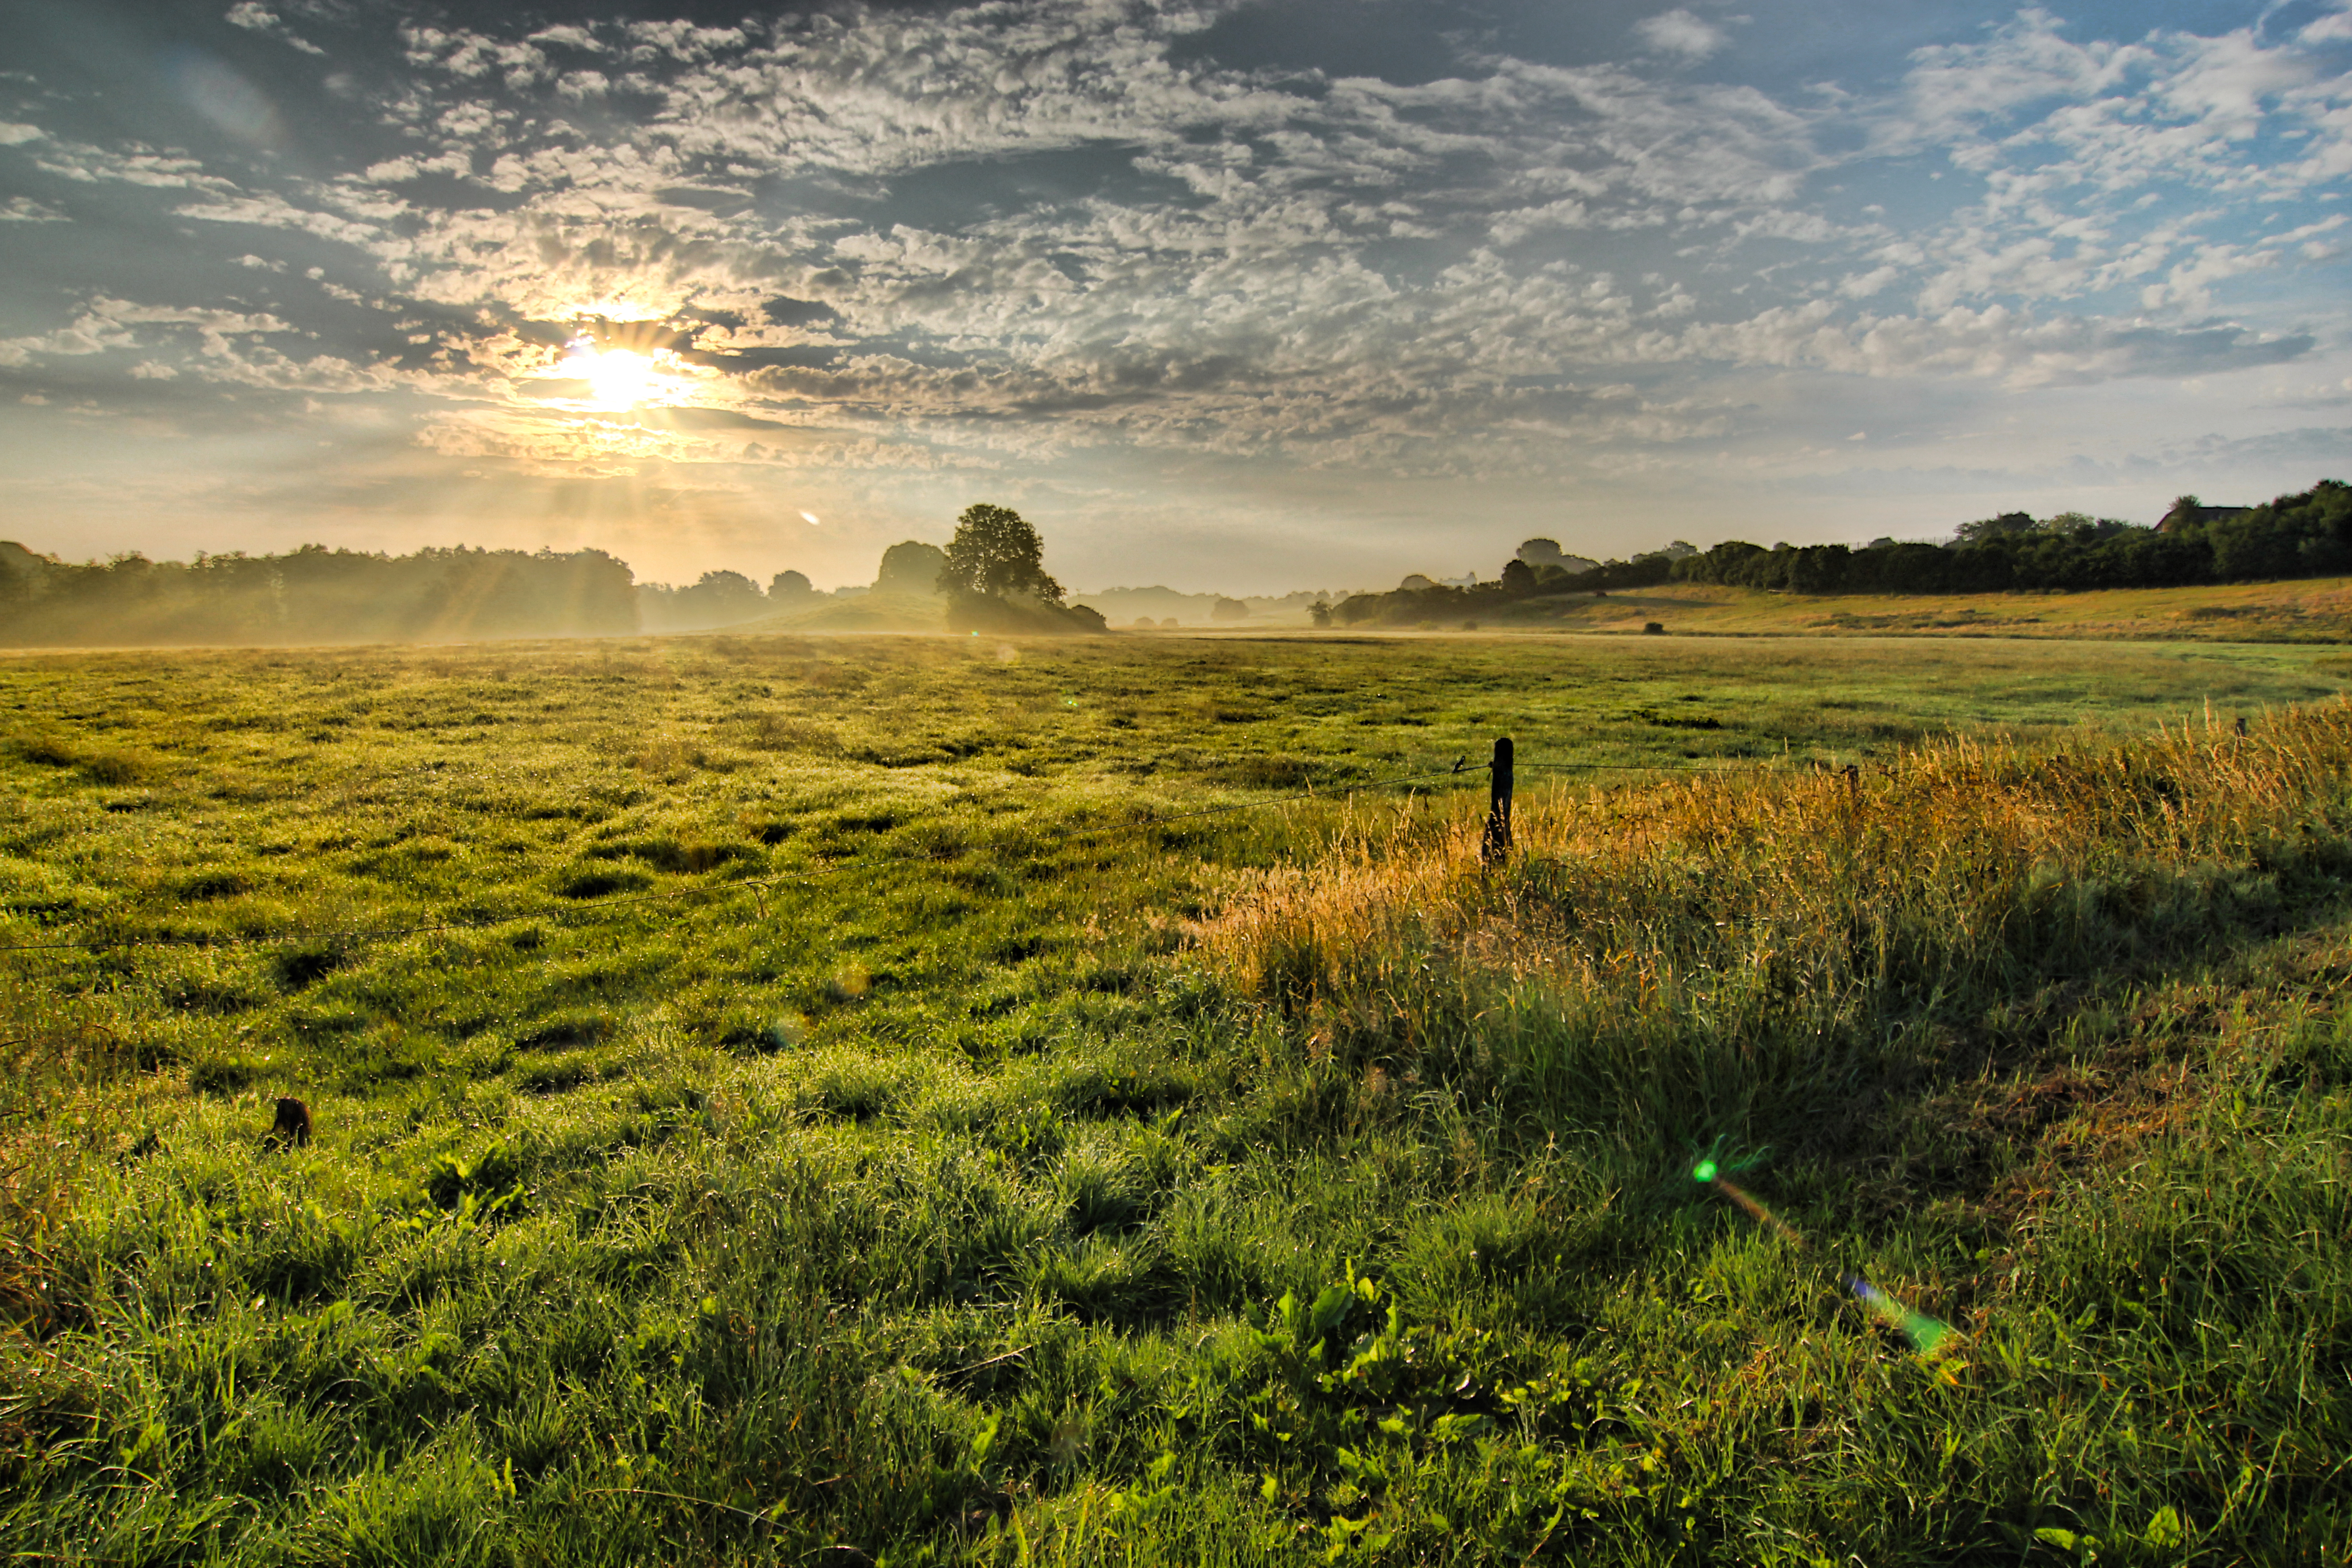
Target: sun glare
(620,379)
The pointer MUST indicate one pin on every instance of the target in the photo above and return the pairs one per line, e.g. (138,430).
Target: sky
(1233,296)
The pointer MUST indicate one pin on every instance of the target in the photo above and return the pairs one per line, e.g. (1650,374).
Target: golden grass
(1738,895)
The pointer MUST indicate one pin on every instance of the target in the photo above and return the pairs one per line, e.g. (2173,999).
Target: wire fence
(575,908)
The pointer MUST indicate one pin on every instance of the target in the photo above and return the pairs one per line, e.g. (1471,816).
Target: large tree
(996,554)
(912,567)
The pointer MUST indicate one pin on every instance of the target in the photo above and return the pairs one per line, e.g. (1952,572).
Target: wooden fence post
(1497,842)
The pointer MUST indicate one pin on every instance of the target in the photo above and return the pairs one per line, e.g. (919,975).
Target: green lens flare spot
(1925,1334)
(1704,1171)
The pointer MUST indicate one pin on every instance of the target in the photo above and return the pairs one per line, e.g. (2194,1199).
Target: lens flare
(1758,1212)
(810,518)
(1929,1336)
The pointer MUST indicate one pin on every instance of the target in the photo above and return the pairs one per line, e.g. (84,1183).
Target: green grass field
(805,1100)
(2309,610)
(2313,610)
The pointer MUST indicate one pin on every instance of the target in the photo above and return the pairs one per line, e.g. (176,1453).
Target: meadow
(827,1101)
(2309,610)
(2315,610)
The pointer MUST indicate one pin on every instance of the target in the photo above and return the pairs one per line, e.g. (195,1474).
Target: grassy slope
(866,612)
(986,1184)
(2314,611)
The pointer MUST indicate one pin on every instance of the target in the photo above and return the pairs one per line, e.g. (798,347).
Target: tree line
(2305,534)
(990,578)
(314,595)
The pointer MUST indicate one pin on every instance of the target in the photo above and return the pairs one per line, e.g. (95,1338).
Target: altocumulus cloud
(874,257)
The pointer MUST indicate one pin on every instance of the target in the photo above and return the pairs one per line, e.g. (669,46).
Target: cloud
(258,18)
(270,210)
(1679,32)
(111,323)
(1997,343)
(2336,28)
(2038,111)
(967,240)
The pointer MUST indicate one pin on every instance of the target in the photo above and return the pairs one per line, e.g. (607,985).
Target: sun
(620,379)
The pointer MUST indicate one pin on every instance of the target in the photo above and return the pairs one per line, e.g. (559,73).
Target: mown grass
(1012,1178)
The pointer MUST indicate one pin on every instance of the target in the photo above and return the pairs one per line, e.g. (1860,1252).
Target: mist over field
(316,595)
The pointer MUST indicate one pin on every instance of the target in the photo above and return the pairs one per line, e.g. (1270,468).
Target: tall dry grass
(1656,958)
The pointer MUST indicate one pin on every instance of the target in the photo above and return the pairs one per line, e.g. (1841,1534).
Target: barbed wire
(758,885)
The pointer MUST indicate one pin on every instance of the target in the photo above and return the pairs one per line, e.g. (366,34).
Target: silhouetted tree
(723,596)
(995,579)
(789,585)
(995,553)
(1990,528)
(1229,610)
(912,567)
